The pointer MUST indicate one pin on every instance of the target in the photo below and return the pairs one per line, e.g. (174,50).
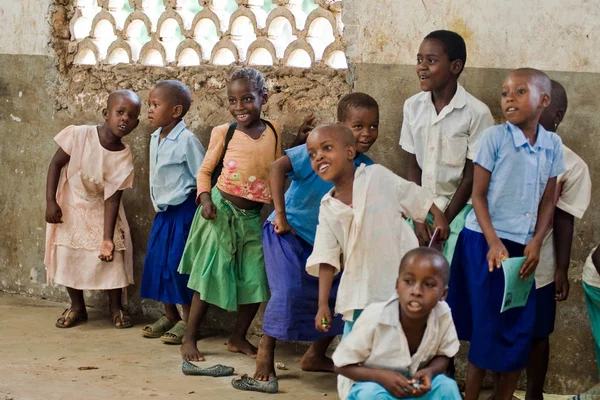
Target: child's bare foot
(315,362)
(189,350)
(265,360)
(236,345)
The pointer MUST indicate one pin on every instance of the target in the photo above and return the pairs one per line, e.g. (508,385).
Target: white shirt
(574,191)
(590,274)
(377,340)
(372,236)
(442,142)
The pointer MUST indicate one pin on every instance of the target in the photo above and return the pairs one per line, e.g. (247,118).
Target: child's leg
(369,391)
(76,313)
(475,377)
(120,317)
(315,359)
(507,384)
(189,348)
(537,367)
(172,312)
(237,342)
(265,359)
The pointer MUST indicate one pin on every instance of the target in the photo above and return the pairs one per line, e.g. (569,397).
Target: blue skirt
(161,281)
(499,341)
(291,310)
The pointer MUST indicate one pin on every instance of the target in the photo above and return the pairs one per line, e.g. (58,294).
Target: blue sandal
(246,383)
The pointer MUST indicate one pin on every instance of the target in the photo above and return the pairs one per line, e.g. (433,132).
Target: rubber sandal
(120,314)
(158,328)
(177,330)
(215,371)
(66,315)
(246,383)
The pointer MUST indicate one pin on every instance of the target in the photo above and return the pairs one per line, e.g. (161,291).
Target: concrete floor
(40,361)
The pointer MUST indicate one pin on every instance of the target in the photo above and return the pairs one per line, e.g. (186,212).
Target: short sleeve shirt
(303,197)
(519,175)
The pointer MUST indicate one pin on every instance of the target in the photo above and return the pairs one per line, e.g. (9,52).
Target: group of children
(340,254)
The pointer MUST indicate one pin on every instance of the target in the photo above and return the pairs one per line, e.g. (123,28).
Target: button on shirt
(519,175)
(372,235)
(442,142)
(377,340)
(174,163)
(304,195)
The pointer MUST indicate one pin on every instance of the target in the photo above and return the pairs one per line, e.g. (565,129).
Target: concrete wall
(40,93)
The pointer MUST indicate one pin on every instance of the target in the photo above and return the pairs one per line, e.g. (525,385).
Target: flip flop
(246,383)
(158,328)
(177,330)
(215,371)
(66,315)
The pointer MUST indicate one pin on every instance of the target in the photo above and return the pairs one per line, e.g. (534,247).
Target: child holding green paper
(513,191)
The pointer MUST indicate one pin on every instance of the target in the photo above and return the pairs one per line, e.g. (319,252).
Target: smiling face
(434,69)
(364,123)
(121,115)
(331,151)
(421,285)
(245,102)
(523,101)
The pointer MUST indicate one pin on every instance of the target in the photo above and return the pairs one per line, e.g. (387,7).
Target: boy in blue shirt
(288,238)
(513,202)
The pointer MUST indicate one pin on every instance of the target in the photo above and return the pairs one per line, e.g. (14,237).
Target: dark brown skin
(596,259)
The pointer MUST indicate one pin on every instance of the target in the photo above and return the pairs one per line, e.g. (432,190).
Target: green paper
(516,290)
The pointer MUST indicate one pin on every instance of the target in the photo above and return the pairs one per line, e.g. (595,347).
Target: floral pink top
(246,165)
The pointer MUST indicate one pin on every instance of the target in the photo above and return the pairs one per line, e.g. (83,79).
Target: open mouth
(414,306)
(364,143)
(123,127)
(511,109)
(423,77)
(242,117)
(322,167)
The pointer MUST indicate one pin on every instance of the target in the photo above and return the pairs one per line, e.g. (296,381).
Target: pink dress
(92,175)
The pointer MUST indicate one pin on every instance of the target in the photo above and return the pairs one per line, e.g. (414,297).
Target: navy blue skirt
(291,310)
(161,281)
(499,341)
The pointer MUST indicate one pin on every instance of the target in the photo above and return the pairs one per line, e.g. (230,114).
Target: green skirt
(224,257)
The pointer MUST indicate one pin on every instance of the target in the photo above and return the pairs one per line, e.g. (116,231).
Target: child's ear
(456,66)
(544,100)
(177,111)
(265,97)
(558,117)
(444,294)
(351,152)
(105,113)
(137,122)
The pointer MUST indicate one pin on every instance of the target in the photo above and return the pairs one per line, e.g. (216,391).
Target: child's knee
(442,385)
(369,391)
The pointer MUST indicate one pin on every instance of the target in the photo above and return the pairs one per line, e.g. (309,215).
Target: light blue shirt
(520,173)
(173,166)
(303,197)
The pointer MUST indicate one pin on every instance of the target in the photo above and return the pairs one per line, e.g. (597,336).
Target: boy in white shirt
(361,225)
(440,132)
(400,348)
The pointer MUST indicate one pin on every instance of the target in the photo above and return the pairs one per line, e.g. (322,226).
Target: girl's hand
(281,225)
(323,319)
(396,384)
(423,232)
(496,254)
(440,222)
(106,250)
(423,380)
(532,252)
(53,213)
(305,129)
(209,210)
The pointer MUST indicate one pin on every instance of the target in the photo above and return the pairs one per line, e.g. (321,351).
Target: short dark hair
(179,94)
(559,95)
(252,76)
(123,93)
(538,77)
(453,43)
(431,253)
(355,100)
(341,133)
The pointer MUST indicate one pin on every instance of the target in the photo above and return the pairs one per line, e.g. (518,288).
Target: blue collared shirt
(520,173)
(173,166)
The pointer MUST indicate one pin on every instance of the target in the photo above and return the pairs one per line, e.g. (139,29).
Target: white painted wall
(557,35)
(24,27)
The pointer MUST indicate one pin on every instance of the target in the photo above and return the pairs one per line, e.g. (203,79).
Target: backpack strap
(219,167)
(270,125)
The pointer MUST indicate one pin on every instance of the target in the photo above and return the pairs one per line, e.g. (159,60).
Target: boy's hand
(323,319)
(423,232)
(561,284)
(532,252)
(440,221)
(53,213)
(209,210)
(396,384)
(496,254)
(423,379)
(106,250)
(281,225)
(305,129)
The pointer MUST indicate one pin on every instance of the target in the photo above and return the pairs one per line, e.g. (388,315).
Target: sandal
(215,371)
(175,334)
(121,319)
(73,317)
(244,382)
(158,328)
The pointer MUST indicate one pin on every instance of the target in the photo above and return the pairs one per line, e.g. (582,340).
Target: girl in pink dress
(88,244)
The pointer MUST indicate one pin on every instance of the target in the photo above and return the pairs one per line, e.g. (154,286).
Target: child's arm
(111,209)
(481,183)
(395,383)
(462,194)
(323,317)
(53,211)
(203,178)
(277,174)
(563,238)
(413,174)
(545,213)
(304,130)
(423,377)
(596,259)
